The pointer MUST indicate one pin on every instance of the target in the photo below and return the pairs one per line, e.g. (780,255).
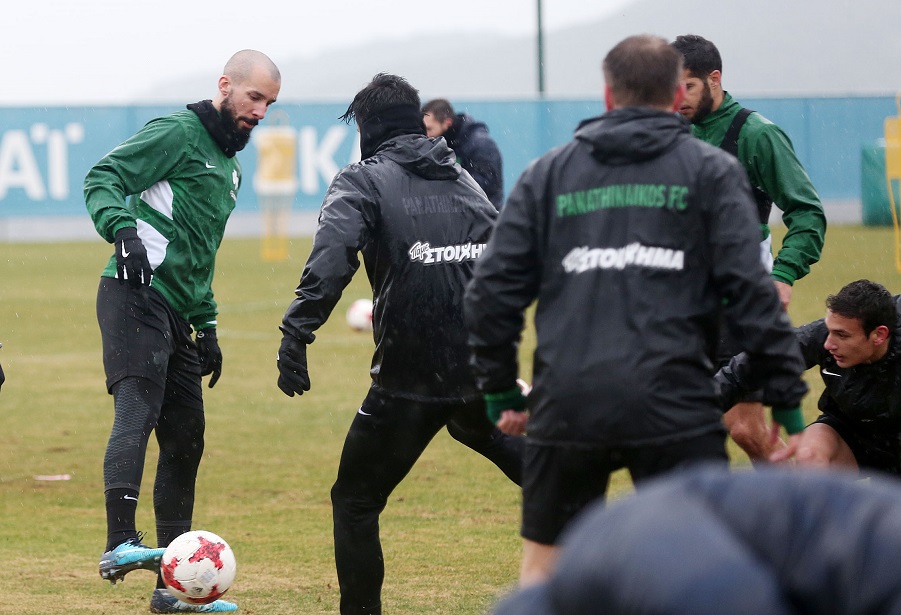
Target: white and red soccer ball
(359,315)
(198,567)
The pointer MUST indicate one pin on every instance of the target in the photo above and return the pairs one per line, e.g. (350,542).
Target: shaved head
(241,66)
(249,84)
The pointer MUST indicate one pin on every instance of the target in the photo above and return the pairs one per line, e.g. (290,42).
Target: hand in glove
(210,355)
(292,366)
(2,377)
(507,409)
(131,258)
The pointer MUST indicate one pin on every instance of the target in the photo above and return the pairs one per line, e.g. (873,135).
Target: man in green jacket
(181,178)
(776,174)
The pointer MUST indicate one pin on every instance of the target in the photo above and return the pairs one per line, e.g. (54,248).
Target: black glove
(2,377)
(131,258)
(292,366)
(210,355)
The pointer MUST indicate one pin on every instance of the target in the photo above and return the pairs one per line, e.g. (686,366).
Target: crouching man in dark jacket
(632,238)
(420,223)
(857,348)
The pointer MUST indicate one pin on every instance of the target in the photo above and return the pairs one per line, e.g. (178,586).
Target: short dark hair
(867,301)
(700,56)
(385,90)
(643,70)
(440,109)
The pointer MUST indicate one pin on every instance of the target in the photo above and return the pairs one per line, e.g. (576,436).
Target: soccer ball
(198,567)
(359,315)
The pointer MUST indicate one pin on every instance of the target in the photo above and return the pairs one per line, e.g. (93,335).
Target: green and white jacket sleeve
(770,160)
(132,167)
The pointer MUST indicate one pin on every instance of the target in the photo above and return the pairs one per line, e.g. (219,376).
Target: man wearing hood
(475,149)
(420,223)
(633,238)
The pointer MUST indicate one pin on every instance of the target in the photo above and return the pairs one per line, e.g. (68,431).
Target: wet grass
(449,532)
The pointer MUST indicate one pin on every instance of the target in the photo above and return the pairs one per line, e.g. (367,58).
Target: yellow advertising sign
(893,174)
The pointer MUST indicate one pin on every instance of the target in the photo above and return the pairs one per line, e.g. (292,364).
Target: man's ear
(679,97)
(224,85)
(715,80)
(880,335)
(608,98)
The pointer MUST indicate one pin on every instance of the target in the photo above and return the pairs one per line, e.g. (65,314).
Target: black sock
(166,532)
(121,505)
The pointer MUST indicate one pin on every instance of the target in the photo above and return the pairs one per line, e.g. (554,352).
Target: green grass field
(449,532)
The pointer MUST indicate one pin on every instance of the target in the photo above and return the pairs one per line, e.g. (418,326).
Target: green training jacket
(768,157)
(182,189)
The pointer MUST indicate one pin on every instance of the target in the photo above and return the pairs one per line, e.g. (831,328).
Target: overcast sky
(107,51)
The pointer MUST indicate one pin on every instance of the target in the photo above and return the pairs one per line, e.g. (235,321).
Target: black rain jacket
(478,154)
(419,223)
(632,238)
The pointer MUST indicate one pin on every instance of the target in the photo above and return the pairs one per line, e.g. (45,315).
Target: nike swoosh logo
(125,253)
(210,166)
(128,497)
(826,372)
(360,411)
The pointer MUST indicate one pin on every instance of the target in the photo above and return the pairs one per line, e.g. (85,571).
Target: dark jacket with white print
(633,238)
(420,224)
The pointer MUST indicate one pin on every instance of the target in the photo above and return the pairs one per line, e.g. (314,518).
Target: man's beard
(237,136)
(705,105)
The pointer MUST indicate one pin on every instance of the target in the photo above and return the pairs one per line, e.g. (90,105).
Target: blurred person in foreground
(420,224)
(633,238)
(182,177)
(777,178)
(857,348)
(476,151)
(708,542)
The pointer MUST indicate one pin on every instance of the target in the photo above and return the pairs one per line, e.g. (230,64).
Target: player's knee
(537,564)
(351,506)
(747,427)
(479,441)
(811,455)
(747,436)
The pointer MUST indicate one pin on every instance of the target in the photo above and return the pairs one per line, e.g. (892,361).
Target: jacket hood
(425,157)
(462,127)
(631,134)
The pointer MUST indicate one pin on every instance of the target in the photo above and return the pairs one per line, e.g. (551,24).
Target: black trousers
(153,373)
(385,439)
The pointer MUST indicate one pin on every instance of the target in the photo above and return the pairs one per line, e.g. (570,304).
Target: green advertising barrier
(875,203)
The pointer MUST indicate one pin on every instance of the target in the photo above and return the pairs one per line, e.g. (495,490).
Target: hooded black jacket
(420,223)
(631,238)
(478,154)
